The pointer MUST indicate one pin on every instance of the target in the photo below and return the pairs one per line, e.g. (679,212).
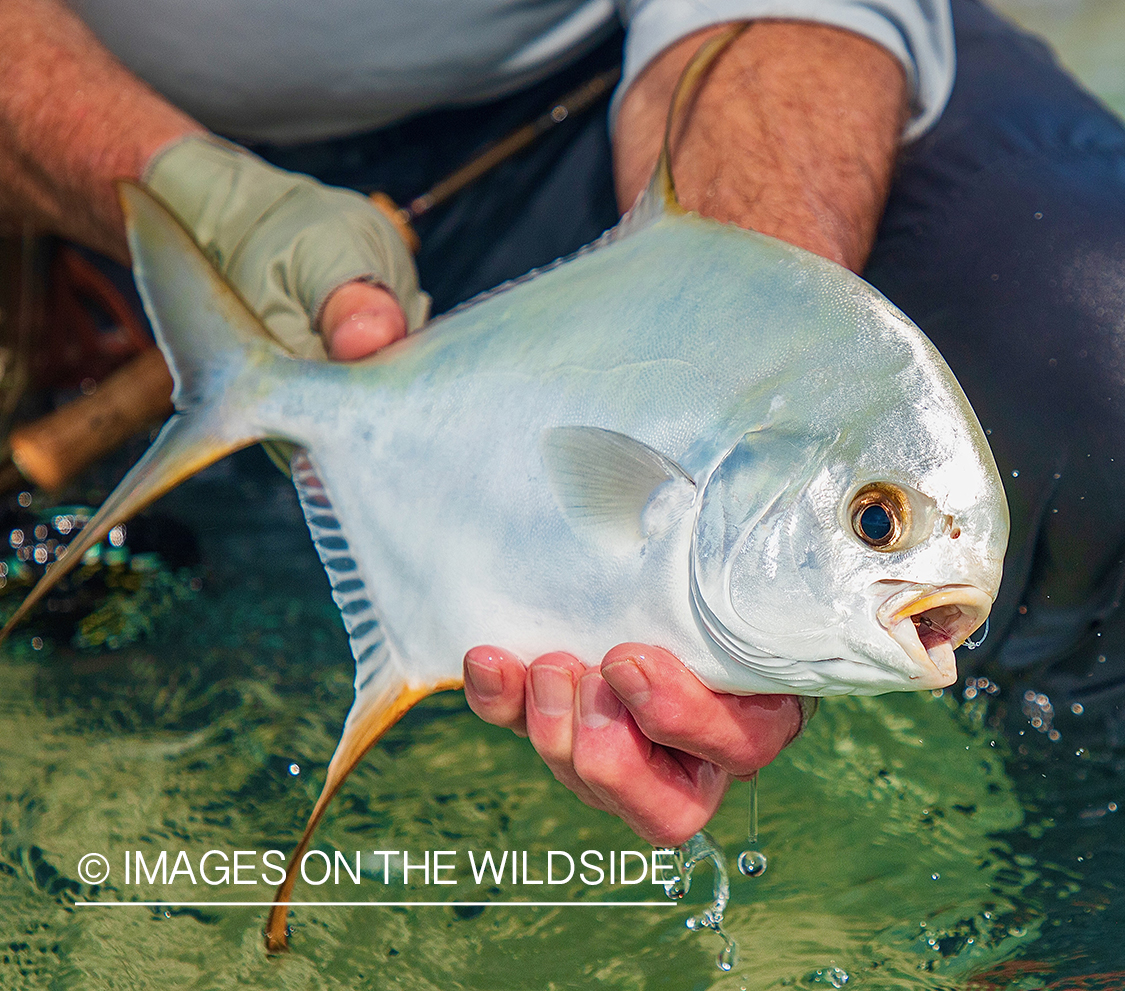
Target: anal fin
(385,689)
(362,731)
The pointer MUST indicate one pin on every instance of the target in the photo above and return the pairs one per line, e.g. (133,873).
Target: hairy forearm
(793,133)
(72,119)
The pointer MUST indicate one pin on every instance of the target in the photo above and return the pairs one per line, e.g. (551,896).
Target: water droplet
(1038,215)
(36,643)
(972,644)
(1015,474)
(835,977)
(752,863)
(1077,708)
(117,535)
(935,877)
(728,956)
(24,499)
(294,769)
(676,888)
(701,847)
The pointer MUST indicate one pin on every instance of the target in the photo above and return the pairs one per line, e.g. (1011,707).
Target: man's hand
(639,737)
(287,243)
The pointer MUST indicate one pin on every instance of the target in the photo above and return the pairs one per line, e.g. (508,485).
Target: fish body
(489,481)
(688,434)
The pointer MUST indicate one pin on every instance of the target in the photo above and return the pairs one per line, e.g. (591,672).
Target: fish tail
(216,349)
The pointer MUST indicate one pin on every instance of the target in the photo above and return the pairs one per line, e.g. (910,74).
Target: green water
(902,851)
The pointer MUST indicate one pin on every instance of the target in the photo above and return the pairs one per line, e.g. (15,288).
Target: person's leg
(1004,239)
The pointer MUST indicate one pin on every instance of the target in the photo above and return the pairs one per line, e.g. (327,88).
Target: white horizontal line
(665,904)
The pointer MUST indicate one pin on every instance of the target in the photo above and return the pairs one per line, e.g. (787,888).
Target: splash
(699,848)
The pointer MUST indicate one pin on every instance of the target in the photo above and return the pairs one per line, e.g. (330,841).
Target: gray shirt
(296,70)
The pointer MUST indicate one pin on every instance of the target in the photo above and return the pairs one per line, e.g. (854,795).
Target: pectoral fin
(606,484)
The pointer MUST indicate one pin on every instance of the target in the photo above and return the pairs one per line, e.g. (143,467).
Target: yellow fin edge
(357,740)
(684,93)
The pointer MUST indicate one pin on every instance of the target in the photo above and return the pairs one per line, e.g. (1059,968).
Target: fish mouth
(930,622)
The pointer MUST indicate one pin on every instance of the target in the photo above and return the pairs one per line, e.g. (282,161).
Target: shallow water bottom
(909,844)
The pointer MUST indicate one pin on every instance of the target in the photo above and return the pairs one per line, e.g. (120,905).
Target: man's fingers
(551,684)
(740,733)
(494,687)
(663,796)
(358,319)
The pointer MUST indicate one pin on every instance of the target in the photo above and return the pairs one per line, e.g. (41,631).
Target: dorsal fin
(659,198)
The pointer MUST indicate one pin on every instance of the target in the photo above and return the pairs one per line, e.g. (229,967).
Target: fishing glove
(283,240)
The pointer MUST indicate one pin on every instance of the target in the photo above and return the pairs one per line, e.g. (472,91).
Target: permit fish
(687,434)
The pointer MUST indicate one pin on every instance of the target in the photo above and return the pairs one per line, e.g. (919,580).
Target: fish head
(855,560)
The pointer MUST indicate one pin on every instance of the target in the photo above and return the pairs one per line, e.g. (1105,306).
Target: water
(911,844)
(751,861)
(700,848)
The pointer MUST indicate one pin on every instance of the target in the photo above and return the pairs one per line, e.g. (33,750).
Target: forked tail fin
(214,346)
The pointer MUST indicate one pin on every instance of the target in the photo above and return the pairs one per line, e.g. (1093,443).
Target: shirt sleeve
(919,33)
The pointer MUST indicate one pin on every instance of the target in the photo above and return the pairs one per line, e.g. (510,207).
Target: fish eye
(880,516)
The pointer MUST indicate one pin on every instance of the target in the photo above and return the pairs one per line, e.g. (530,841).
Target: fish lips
(929,622)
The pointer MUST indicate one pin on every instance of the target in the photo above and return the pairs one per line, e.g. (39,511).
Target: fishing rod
(56,448)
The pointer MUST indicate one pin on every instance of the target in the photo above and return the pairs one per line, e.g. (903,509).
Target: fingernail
(483,676)
(552,689)
(597,703)
(629,682)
